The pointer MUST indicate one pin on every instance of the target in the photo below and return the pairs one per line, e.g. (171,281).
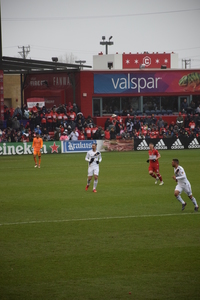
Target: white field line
(97,219)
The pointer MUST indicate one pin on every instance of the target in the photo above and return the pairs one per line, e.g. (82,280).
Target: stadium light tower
(106,43)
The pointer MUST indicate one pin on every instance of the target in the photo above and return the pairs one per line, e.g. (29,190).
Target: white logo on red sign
(147,61)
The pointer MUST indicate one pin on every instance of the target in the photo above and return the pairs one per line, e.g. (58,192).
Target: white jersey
(180,175)
(74,136)
(96,155)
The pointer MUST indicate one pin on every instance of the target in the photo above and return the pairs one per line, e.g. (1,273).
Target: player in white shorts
(183,185)
(94,158)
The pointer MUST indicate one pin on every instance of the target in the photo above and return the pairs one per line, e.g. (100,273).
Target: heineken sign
(26,148)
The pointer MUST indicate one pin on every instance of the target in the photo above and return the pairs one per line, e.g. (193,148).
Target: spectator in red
(65,119)
(81,136)
(62,129)
(154,134)
(49,120)
(88,131)
(144,130)
(34,109)
(192,125)
(107,134)
(60,118)
(11,111)
(72,115)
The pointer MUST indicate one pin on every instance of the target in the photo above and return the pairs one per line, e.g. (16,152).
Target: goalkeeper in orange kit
(37,149)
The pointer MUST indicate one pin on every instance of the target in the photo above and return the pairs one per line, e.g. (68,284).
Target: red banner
(1,96)
(151,61)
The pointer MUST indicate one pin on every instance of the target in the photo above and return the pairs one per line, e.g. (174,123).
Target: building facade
(100,93)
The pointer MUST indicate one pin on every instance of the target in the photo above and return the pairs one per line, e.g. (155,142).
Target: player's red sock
(152,175)
(160,177)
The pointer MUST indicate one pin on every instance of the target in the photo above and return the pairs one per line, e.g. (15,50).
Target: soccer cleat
(39,166)
(162,182)
(35,165)
(156,180)
(94,191)
(184,205)
(196,208)
(87,187)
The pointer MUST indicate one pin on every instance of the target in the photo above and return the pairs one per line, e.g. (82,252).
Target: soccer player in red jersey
(154,155)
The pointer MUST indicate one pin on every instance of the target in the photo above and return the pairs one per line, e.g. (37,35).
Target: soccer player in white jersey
(94,158)
(182,185)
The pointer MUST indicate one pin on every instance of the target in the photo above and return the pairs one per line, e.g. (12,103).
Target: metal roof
(12,65)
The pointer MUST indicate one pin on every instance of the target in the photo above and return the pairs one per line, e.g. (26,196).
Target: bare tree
(68,58)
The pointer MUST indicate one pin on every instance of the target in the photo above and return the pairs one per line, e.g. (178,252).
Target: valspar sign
(128,83)
(147,82)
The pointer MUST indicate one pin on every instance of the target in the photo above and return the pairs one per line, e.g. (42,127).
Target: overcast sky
(75,27)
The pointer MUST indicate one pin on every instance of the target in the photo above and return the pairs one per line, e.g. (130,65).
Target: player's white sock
(88,181)
(194,201)
(95,184)
(180,199)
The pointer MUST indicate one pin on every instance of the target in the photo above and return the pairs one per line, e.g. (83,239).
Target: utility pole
(186,63)
(25,51)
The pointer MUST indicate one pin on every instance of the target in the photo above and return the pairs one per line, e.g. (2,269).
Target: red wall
(86,92)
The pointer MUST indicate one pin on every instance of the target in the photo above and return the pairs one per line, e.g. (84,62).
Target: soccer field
(130,240)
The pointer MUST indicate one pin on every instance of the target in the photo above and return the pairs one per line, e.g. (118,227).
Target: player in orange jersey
(37,148)
(154,156)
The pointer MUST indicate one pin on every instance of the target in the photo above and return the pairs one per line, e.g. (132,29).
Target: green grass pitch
(130,240)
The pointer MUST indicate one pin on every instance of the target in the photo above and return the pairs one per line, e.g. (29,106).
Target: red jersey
(88,132)
(60,117)
(81,136)
(65,117)
(107,134)
(49,117)
(153,154)
(54,117)
(43,119)
(94,129)
(72,115)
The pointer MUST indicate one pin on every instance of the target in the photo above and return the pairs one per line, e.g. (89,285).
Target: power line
(98,17)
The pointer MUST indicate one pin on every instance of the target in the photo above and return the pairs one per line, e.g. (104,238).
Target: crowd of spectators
(150,127)
(66,122)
